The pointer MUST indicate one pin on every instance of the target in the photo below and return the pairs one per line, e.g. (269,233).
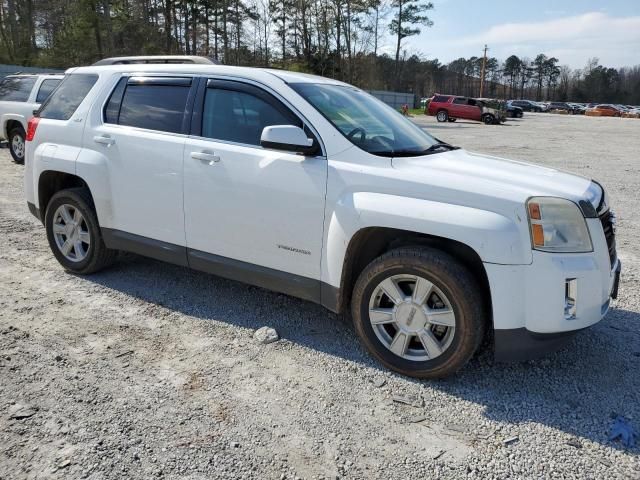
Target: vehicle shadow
(578,390)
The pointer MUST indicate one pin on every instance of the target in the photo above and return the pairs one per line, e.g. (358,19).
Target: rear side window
(46,87)
(460,101)
(62,104)
(16,89)
(440,99)
(153,104)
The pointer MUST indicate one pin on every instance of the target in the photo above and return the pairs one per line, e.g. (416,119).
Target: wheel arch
(9,122)
(371,242)
(52,181)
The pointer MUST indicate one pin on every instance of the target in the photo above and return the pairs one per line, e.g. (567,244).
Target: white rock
(266,335)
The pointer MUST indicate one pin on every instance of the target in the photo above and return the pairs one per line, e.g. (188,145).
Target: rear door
(457,108)
(142,135)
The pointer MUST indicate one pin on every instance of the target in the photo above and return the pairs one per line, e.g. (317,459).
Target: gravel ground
(151,371)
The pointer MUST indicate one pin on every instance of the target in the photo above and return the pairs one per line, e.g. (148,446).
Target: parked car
(578,109)
(603,110)
(20,95)
(448,108)
(312,187)
(563,107)
(514,111)
(526,105)
(543,106)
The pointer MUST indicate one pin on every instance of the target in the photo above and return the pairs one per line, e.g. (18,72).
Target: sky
(571,30)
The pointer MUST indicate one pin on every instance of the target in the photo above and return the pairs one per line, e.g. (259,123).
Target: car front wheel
(419,312)
(17,144)
(488,119)
(74,233)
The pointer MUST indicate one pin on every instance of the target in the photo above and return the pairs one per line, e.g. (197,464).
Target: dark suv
(526,105)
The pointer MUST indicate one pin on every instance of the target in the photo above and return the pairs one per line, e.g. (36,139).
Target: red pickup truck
(448,108)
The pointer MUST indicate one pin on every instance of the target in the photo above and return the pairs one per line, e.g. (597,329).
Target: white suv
(20,95)
(312,187)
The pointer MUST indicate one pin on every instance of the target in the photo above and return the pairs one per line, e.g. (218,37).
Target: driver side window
(239,117)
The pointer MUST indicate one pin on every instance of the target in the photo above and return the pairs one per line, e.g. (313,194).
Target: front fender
(493,236)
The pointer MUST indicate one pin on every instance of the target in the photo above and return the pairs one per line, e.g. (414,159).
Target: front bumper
(529,302)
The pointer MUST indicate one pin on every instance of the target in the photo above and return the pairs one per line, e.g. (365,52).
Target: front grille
(608,225)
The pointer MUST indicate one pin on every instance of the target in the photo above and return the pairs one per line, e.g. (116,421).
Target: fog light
(570,298)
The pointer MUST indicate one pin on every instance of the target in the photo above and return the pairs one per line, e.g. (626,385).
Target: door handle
(104,140)
(205,157)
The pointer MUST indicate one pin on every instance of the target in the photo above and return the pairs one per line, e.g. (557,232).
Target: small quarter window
(112,109)
(46,87)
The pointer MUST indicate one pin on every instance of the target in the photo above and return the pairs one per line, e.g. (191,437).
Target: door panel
(145,170)
(140,136)
(245,202)
(260,206)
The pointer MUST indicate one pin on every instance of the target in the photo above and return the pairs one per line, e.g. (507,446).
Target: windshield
(366,121)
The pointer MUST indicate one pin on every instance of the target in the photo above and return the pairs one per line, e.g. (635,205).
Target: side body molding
(493,236)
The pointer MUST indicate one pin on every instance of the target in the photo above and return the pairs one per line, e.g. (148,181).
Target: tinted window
(154,106)
(460,101)
(68,96)
(440,99)
(112,109)
(46,87)
(240,117)
(16,89)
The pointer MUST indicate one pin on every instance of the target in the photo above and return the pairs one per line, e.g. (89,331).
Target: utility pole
(484,65)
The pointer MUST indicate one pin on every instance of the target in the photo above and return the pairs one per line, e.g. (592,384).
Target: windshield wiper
(416,153)
(437,146)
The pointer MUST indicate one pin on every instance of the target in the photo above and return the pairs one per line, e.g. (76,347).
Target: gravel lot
(151,371)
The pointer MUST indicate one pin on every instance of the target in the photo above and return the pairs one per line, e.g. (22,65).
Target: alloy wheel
(71,233)
(412,317)
(17,145)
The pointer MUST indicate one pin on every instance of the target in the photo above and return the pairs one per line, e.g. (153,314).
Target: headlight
(557,225)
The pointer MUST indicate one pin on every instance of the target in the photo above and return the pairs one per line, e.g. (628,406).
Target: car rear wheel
(488,119)
(17,144)
(74,233)
(442,116)
(419,312)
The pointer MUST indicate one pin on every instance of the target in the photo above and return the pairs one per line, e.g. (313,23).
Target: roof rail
(175,59)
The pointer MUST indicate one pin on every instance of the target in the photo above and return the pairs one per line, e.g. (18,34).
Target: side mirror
(288,138)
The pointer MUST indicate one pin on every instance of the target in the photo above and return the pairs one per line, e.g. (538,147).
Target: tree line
(363,42)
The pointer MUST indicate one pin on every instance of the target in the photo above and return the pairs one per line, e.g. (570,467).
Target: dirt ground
(148,370)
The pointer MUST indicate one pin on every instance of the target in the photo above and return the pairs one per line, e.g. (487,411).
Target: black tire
(98,256)
(442,116)
(453,279)
(18,133)
(452,119)
(519,114)
(488,119)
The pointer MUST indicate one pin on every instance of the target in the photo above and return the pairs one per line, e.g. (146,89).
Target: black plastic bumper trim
(520,344)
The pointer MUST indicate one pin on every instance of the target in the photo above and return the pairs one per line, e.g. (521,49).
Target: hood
(492,177)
